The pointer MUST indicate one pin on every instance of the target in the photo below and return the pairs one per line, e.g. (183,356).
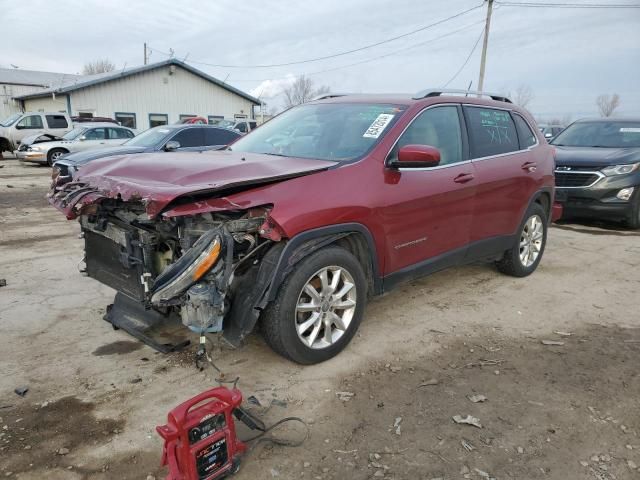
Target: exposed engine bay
(189,266)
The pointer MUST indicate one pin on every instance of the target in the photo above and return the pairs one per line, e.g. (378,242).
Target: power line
(567,5)
(395,52)
(475,45)
(347,52)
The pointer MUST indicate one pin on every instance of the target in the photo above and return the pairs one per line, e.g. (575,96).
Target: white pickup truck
(19,125)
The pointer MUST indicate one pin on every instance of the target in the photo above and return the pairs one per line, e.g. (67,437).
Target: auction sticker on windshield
(378,125)
(630,130)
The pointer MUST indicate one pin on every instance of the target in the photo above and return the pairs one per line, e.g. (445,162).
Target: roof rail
(324,96)
(436,92)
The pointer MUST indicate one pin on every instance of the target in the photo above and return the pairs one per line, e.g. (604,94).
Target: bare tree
(607,104)
(102,65)
(523,96)
(302,91)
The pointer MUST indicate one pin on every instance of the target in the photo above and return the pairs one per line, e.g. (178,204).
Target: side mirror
(20,127)
(82,138)
(172,146)
(417,156)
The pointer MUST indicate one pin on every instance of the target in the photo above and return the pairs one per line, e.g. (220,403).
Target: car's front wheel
(318,308)
(525,254)
(54,155)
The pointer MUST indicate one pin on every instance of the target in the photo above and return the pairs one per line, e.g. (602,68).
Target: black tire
(511,264)
(279,320)
(51,156)
(634,217)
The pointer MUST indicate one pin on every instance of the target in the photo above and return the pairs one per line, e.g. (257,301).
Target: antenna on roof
(469,88)
(171,53)
(123,67)
(185,57)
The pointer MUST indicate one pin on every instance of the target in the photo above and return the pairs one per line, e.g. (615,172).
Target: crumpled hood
(595,156)
(156,179)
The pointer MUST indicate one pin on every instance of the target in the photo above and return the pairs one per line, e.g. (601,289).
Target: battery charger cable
(243,415)
(256,424)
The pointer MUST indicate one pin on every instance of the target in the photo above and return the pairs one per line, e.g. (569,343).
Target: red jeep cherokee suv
(298,223)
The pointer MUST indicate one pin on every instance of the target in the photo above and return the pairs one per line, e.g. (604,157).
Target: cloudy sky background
(567,56)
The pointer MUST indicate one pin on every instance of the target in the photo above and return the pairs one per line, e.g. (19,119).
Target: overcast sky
(566,56)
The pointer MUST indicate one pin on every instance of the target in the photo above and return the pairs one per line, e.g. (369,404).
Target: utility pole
(483,60)
(146,57)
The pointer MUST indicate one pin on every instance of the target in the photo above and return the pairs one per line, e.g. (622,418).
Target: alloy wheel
(531,240)
(325,307)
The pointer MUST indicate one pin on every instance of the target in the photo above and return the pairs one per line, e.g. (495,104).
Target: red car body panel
(157,180)
(412,215)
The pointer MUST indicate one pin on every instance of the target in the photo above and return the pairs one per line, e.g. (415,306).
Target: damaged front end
(188,268)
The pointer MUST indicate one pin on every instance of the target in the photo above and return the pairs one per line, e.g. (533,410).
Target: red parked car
(298,223)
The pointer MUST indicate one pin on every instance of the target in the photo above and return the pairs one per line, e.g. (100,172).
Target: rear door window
(120,133)
(218,136)
(191,137)
(491,132)
(57,121)
(525,135)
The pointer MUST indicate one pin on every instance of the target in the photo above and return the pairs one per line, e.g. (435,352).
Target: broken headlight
(190,268)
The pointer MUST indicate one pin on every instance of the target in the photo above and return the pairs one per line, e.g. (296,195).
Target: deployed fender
(255,291)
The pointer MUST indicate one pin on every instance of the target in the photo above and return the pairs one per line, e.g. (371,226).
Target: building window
(85,114)
(157,119)
(215,119)
(238,116)
(126,119)
(186,116)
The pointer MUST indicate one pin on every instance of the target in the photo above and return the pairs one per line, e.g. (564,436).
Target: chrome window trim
(592,172)
(439,167)
(470,160)
(446,104)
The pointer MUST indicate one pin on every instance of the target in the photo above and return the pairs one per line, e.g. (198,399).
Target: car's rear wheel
(318,308)
(525,255)
(54,155)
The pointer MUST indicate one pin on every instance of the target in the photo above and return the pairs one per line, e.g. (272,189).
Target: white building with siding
(142,97)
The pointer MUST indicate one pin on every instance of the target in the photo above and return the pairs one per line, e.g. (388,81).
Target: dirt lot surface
(384,408)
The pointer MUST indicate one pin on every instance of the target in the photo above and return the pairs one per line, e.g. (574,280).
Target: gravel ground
(384,408)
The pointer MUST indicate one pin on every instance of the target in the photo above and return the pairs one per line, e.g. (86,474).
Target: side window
(438,127)
(241,127)
(491,132)
(119,133)
(30,122)
(525,135)
(191,137)
(96,134)
(56,121)
(218,136)
(126,119)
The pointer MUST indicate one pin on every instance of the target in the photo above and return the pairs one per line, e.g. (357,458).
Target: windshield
(605,133)
(149,138)
(75,133)
(329,131)
(10,120)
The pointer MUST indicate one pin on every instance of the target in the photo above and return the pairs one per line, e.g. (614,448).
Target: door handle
(530,166)
(463,178)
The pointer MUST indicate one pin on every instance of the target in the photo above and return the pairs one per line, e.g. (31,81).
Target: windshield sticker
(630,130)
(378,125)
